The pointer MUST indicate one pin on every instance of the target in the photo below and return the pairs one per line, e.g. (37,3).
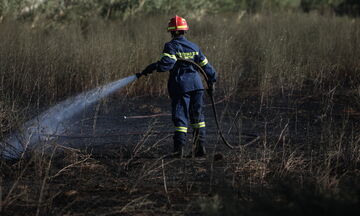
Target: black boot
(198,143)
(179,143)
(178,151)
(200,150)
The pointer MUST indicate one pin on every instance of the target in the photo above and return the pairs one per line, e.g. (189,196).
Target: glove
(211,88)
(149,69)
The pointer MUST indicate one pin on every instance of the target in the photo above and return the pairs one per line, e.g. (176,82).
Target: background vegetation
(274,53)
(269,56)
(111,9)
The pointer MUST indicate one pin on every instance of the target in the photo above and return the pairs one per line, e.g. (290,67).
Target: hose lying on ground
(210,93)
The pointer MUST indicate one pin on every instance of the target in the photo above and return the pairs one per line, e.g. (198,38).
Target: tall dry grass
(41,65)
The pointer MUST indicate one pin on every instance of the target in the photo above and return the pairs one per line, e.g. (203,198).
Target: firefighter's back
(183,76)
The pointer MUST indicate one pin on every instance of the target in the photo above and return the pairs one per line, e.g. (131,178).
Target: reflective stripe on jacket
(183,76)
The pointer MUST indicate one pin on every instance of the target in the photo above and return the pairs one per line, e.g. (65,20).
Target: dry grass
(41,65)
(296,77)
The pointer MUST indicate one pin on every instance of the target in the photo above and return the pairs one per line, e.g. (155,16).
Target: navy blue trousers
(188,108)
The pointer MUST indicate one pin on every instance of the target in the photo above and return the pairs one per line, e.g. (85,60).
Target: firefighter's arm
(166,62)
(207,67)
(167,59)
(148,70)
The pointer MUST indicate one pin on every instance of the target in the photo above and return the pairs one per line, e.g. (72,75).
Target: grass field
(296,75)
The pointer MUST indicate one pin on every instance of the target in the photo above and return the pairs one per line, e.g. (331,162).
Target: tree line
(114,9)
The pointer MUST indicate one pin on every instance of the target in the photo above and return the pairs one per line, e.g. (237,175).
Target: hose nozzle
(138,75)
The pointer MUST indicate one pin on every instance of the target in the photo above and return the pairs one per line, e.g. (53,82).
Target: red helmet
(177,23)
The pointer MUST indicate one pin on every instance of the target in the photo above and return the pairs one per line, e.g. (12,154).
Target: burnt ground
(110,165)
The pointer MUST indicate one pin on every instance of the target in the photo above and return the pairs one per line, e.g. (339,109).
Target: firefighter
(184,85)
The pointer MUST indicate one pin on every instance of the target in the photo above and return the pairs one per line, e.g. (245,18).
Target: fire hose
(211,96)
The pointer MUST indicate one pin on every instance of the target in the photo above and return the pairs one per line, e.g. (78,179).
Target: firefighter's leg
(180,106)
(198,123)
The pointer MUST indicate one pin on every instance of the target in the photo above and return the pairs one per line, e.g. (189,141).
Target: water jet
(54,121)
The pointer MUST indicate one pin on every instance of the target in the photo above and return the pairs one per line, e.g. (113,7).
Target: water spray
(54,120)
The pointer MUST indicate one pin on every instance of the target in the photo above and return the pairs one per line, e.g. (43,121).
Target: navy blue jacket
(183,76)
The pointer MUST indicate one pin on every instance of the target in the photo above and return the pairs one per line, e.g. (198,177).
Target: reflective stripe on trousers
(186,108)
(198,125)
